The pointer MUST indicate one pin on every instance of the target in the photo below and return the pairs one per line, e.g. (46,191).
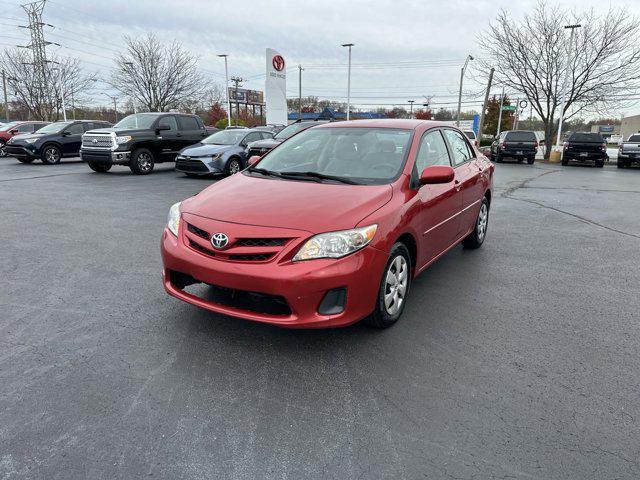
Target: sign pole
(500,114)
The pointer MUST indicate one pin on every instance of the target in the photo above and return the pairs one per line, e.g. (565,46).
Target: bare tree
(44,102)
(530,57)
(156,75)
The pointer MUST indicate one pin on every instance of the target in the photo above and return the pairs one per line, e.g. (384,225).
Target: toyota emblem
(278,63)
(94,141)
(219,240)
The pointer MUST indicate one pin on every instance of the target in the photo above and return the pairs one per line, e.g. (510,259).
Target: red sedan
(331,226)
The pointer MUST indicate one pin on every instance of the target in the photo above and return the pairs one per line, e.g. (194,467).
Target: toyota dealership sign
(275,89)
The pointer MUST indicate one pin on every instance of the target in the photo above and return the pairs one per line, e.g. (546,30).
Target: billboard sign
(275,88)
(242,95)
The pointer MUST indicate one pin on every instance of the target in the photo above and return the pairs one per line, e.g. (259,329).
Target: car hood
(26,136)
(202,150)
(268,143)
(130,131)
(302,205)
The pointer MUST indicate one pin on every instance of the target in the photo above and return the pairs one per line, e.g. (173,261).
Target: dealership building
(630,125)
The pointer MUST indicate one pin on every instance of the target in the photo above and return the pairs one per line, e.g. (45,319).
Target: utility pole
(563,100)
(300,69)
(73,105)
(226,87)
(500,114)
(462,70)
(484,105)
(6,103)
(349,45)
(410,108)
(237,81)
(516,114)
(115,105)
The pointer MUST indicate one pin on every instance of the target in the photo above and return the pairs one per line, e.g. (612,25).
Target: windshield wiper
(320,176)
(264,171)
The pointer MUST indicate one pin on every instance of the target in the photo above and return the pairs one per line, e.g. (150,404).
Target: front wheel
(233,166)
(51,155)
(99,167)
(142,162)
(394,287)
(3,151)
(476,238)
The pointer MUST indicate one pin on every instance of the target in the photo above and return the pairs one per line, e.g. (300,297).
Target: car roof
(402,123)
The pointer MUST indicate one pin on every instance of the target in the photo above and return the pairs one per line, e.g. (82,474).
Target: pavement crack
(524,183)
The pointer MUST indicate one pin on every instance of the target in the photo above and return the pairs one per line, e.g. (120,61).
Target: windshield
(363,155)
(291,130)
(54,127)
(7,126)
(520,137)
(136,121)
(225,137)
(586,137)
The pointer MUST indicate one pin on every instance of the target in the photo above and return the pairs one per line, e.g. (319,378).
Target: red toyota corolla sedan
(331,226)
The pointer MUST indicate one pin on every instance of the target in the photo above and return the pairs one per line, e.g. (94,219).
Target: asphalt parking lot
(518,360)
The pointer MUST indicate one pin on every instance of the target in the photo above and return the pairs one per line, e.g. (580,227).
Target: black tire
(520,160)
(599,163)
(627,163)
(51,155)
(498,158)
(99,167)
(620,163)
(531,160)
(142,161)
(384,316)
(476,238)
(25,159)
(565,161)
(234,165)
(3,152)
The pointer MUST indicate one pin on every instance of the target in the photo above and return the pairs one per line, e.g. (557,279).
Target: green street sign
(509,108)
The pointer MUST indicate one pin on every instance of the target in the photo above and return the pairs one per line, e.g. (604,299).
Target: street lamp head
(471,57)
(348,44)
(223,55)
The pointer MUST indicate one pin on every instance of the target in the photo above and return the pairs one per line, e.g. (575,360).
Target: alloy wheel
(52,155)
(395,288)
(234,167)
(144,162)
(3,151)
(483,220)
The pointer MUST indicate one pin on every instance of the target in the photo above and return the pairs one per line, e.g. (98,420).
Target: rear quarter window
(521,137)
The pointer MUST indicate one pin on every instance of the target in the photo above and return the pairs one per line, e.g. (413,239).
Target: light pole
(59,68)
(133,100)
(469,57)
(226,87)
(349,45)
(411,108)
(300,69)
(563,101)
(115,105)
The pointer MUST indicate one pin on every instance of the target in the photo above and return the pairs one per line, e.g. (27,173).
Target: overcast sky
(410,49)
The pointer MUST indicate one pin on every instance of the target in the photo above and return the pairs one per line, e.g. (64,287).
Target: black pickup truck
(583,147)
(518,144)
(629,151)
(141,140)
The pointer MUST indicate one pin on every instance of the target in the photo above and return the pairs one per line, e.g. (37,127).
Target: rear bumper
(517,153)
(573,155)
(303,285)
(105,157)
(629,157)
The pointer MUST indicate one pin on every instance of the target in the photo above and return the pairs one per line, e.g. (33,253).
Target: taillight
(604,146)
(535,145)
(503,145)
(565,145)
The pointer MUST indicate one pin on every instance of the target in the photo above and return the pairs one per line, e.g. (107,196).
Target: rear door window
(169,121)
(189,123)
(88,126)
(25,128)
(460,151)
(520,137)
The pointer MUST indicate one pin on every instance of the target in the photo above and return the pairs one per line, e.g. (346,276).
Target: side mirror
(162,127)
(253,160)
(15,132)
(437,174)
(66,133)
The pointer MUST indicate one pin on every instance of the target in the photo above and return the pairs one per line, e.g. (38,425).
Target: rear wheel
(599,163)
(498,158)
(394,287)
(99,167)
(51,155)
(142,162)
(476,238)
(3,152)
(620,163)
(565,161)
(530,160)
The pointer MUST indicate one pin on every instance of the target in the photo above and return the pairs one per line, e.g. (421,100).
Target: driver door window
(75,129)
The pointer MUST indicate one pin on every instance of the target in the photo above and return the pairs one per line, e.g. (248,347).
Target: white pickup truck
(629,151)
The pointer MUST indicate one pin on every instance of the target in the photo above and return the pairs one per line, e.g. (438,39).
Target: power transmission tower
(38,49)
(237,81)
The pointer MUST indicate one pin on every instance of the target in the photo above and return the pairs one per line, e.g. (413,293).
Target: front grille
(198,231)
(190,165)
(97,141)
(222,255)
(240,299)
(261,242)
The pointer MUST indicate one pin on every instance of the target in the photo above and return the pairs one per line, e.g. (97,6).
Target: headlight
(123,139)
(31,140)
(336,244)
(173,219)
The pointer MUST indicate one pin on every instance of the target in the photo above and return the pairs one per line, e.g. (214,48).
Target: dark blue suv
(52,142)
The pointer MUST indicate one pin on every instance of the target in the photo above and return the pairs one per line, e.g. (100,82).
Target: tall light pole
(59,68)
(300,69)
(133,100)
(410,108)
(563,101)
(115,105)
(349,45)
(469,57)
(226,87)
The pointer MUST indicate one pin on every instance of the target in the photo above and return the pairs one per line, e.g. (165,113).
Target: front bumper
(303,285)
(107,157)
(22,151)
(200,165)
